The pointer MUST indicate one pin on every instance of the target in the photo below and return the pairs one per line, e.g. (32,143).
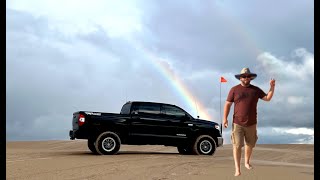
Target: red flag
(222,79)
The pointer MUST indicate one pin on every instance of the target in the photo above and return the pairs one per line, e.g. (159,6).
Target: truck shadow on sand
(123,153)
(146,152)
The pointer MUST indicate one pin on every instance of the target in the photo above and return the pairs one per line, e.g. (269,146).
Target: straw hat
(246,71)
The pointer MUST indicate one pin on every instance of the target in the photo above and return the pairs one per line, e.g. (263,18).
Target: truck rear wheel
(204,145)
(91,146)
(107,143)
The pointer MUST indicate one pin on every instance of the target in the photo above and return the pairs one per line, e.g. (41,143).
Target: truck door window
(149,108)
(173,111)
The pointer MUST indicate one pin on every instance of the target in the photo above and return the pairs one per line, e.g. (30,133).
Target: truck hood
(211,123)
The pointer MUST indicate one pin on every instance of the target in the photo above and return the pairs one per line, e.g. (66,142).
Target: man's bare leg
(248,152)
(237,158)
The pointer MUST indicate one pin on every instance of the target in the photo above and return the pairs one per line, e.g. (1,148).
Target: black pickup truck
(146,123)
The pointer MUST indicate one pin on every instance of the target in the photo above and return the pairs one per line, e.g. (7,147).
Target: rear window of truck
(125,109)
(149,108)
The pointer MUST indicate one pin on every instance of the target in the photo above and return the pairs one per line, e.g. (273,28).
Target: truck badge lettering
(93,113)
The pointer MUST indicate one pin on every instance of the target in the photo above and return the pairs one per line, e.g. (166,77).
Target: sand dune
(73,160)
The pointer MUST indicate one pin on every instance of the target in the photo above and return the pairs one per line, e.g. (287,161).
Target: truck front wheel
(107,143)
(204,145)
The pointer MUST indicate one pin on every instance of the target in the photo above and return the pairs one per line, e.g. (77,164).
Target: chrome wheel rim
(205,146)
(108,144)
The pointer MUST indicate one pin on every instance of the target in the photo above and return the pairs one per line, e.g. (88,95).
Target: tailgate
(78,126)
(75,123)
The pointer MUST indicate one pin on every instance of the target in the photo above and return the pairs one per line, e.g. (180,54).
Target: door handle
(189,124)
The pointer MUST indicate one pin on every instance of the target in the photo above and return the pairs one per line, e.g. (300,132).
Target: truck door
(178,120)
(147,123)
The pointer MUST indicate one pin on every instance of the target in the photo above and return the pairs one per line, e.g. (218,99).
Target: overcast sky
(69,55)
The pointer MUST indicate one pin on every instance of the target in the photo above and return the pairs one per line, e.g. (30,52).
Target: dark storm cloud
(278,26)
(219,34)
(196,34)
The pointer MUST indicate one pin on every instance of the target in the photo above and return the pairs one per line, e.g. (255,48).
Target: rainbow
(175,81)
(188,97)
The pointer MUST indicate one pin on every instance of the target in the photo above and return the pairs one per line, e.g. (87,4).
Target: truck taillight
(81,120)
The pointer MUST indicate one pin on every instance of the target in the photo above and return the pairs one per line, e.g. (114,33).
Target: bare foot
(248,166)
(238,173)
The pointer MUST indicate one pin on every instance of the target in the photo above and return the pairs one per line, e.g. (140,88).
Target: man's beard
(245,82)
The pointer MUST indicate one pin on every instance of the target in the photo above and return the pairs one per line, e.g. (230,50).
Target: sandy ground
(73,160)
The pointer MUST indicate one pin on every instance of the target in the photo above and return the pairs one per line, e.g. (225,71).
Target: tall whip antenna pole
(197,108)
(220,110)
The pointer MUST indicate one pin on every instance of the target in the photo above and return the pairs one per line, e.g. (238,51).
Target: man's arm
(268,97)
(226,113)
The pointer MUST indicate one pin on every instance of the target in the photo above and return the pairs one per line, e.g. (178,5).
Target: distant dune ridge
(73,160)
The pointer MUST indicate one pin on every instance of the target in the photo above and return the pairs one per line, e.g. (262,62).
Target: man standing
(244,127)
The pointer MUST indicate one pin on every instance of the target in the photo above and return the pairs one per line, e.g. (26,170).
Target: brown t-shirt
(245,103)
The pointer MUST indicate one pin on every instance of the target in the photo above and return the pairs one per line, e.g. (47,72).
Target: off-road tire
(107,143)
(204,145)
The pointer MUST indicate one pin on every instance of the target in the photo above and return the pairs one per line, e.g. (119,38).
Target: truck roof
(129,102)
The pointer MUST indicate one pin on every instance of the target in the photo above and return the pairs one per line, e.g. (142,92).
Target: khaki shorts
(240,134)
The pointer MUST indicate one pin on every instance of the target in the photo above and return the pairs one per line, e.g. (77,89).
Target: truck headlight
(217,126)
